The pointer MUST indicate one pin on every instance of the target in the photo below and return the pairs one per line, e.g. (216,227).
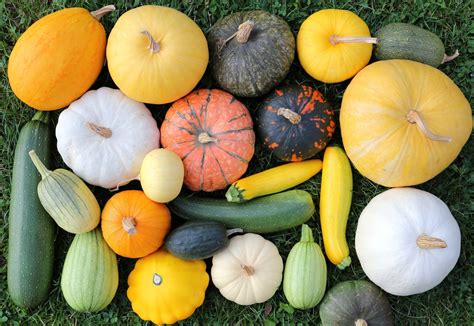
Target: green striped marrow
(67,199)
(89,279)
(31,231)
(304,281)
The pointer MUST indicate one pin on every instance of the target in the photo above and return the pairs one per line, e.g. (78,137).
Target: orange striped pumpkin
(213,134)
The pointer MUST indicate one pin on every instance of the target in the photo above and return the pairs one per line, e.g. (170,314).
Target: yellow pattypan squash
(165,289)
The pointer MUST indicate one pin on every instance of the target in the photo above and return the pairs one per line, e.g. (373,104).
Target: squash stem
(335,39)
(234,195)
(361,322)
(427,242)
(154,46)
(448,58)
(129,225)
(42,116)
(292,116)
(243,33)
(249,270)
(414,116)
(204,138)
(344,263)
(306,234)
(102,11)
(234,231)
(101,131)
(39,165)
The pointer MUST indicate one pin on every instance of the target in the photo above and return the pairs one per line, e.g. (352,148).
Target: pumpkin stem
(414,116)
(292,116)
(243,33)
(361,322)
(335,39)
(234,231)
(249,270)
(306,234)
(204,138)
(42,169)
(102,11)
(427,242)
(450,57)
(129,224)
(154,46)
(102,131)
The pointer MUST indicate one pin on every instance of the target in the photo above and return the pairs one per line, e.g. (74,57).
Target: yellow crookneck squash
(166,289)
(58,58)
(403,122)
(333,45)
(156,54)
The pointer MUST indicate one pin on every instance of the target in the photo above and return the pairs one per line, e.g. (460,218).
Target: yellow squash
(333,45)
(156,54)
(335,204)
(403,122)
(273,180)
(166,289)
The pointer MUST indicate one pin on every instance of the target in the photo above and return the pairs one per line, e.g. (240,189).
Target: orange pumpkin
(133,225)
(212,133)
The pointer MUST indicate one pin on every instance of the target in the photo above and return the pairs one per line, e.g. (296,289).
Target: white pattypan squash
(407,241)
(104,136)
(249,270)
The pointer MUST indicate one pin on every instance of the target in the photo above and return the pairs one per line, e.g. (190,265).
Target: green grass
(451,303)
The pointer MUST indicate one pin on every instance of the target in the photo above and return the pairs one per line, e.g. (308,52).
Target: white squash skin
(386,241)
(106,162)
(232,281)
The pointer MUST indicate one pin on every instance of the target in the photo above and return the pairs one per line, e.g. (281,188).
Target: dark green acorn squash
(355,303)
(295,122)
(251,52)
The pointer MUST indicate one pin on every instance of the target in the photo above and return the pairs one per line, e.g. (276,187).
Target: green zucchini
(406,41)
(262,215)
(31,230)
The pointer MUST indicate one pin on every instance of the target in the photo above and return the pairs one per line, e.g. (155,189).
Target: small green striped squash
(304,281)
(89,279)
(67,199)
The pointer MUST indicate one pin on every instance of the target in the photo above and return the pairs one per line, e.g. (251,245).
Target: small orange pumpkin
(133,225)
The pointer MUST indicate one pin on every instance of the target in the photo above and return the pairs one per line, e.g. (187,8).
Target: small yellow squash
(166,289)
(335,204)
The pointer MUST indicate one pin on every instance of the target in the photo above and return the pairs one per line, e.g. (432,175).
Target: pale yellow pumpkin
(333,45)
(403,122)
(156,54)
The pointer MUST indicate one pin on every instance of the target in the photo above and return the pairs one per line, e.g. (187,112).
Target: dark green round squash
(251,52)
(198,239)
(295,122)
(356,303)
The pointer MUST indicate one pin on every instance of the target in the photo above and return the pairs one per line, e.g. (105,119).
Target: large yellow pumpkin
(166,289)
(156,54)
(58,58)
(403,122)
(333,45)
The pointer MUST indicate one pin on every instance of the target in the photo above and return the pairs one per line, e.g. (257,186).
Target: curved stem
(448,58)
(427,242)
(361,322)
(154,46)
(335,39)
(101,131)
(102,11)
(42,169)
(249,270)
(204,138)
(129,225)
(292,116)
(234,231)
(306,234)
(414,116)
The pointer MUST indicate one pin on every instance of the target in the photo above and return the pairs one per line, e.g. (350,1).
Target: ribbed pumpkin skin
(89,278)
(406,41)
(57,59)
(349,301)
(197,239)
(304,281)
(212,133)
(252,68)
(295,141)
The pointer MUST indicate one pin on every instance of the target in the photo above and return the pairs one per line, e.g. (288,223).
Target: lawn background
(451,303)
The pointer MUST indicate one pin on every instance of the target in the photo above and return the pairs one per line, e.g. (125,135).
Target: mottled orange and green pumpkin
(295,122)
(213,134)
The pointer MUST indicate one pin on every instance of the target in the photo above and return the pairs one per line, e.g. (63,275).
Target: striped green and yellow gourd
(89,279)
(67,198)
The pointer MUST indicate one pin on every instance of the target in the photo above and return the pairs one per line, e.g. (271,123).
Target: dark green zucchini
(262,215)
(406,41)
(31,230)
(198,239)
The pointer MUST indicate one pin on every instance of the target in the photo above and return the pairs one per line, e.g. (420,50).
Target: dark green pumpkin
(355,303)
(295,122)
(251,59)
(198,239)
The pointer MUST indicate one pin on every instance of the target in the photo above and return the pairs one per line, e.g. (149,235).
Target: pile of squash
(402,122)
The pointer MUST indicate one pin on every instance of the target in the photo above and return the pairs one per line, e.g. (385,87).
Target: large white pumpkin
(249,270)
(407,241)
(104,136)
